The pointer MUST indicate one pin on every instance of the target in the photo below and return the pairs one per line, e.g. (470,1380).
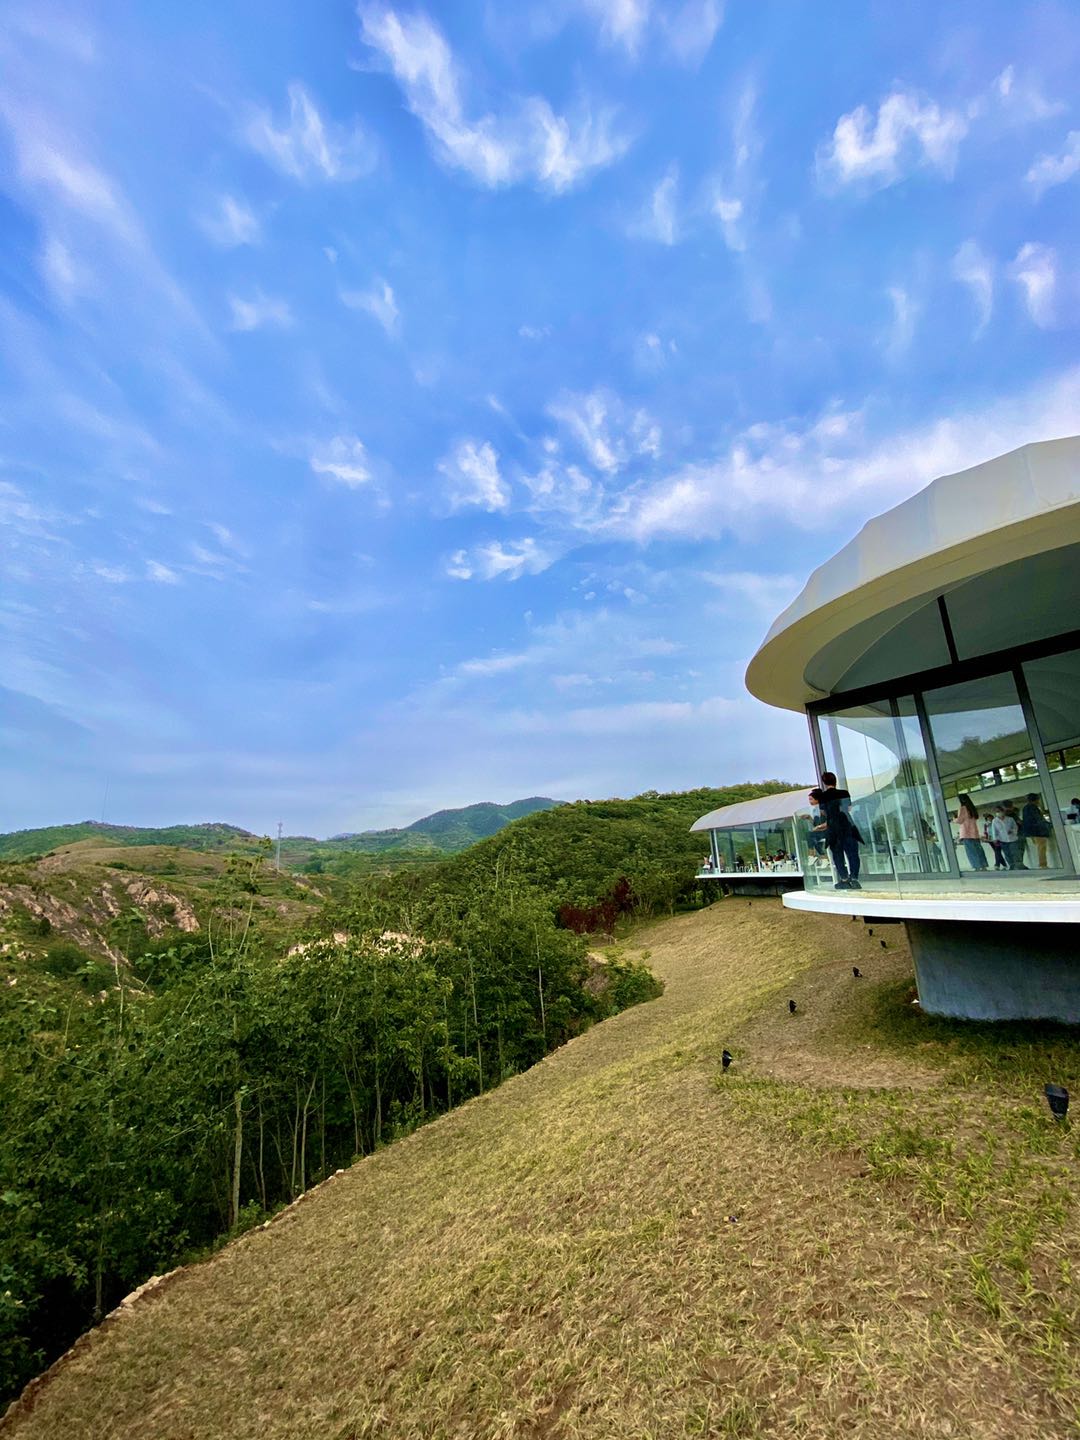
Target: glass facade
(971,784)
(767,848)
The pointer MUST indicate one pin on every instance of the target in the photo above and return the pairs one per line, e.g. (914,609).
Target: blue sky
(403,406)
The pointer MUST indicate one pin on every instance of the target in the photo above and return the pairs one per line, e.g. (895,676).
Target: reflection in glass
(881,759)
(984,753)
(1054,685)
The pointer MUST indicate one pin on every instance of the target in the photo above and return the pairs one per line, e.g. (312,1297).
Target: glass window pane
(1054,684)
(882,761)
(977,725)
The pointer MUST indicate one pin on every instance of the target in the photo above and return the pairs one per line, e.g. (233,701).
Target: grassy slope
(557,1258)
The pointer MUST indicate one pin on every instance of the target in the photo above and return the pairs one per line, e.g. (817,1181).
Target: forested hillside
(576,855)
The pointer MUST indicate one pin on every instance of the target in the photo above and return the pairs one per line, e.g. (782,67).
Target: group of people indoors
(1017,835)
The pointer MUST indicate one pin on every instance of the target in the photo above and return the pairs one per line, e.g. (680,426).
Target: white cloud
(902,330)
(729,211)
(472,472)
(907,132)
(344,459)
(609,433)
(816,474)
(691,28)
(659,222)
(622,22)
(231,224)
(527,141)
(973,268)
(307,147)
(1050,170)
(496,560)
(378,302)
(112,574)
(534,332)
(260,311)
(493,665)
(64,276)
(161,574)
(1035,271)
(764,593)
(685,31)
(1022,99)
(562,153)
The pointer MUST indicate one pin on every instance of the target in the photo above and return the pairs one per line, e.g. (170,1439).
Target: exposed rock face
(147,895)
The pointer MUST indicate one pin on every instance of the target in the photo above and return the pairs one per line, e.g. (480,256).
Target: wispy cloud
(973,268)
(901,331)
(306,146)
(609,432)
(473,478)
(525,141)
(813,474)
(342,458)
(1050,170)
(659,220)
(684,31)
(161,574)
(231,223)
(378,302)
(622,22)
(1035,271)
(909,132)
(259,312)
(498,560)
(691,28)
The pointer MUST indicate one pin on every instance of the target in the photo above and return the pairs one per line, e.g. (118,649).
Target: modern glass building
(937,658)
(753,845)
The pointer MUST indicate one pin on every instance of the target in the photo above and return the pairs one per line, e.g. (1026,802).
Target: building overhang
(872,613)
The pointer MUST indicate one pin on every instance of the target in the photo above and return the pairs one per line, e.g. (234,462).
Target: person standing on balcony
(1035,826)
(967,817)
(841,833)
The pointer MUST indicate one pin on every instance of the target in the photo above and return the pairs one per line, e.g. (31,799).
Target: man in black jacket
(841,833)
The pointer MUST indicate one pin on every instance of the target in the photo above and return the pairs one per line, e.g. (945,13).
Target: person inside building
(1035,827)
(967,818)
(1005,829)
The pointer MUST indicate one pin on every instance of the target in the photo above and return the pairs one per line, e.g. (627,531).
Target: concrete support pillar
(994,970)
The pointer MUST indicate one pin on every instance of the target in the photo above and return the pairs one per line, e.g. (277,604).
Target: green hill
(443,833)
(214,836)
(577,854)
(866,1228)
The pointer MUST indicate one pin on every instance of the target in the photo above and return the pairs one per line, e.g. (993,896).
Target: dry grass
(834,1239)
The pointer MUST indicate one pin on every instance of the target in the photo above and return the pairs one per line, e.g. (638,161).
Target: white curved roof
(754,812)
(871,612)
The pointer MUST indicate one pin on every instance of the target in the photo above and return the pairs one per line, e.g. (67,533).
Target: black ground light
(1057,1097)
(856,972)
(792,1006)
(725,1059)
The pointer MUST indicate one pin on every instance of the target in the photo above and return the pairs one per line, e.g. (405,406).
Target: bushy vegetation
(196,1082)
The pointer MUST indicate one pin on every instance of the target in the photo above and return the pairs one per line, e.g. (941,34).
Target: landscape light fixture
(856,972)
(1057,1097)
(725,1059)
(792,1006)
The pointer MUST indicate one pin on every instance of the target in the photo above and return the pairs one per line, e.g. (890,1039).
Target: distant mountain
(212,836)
(444,833)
